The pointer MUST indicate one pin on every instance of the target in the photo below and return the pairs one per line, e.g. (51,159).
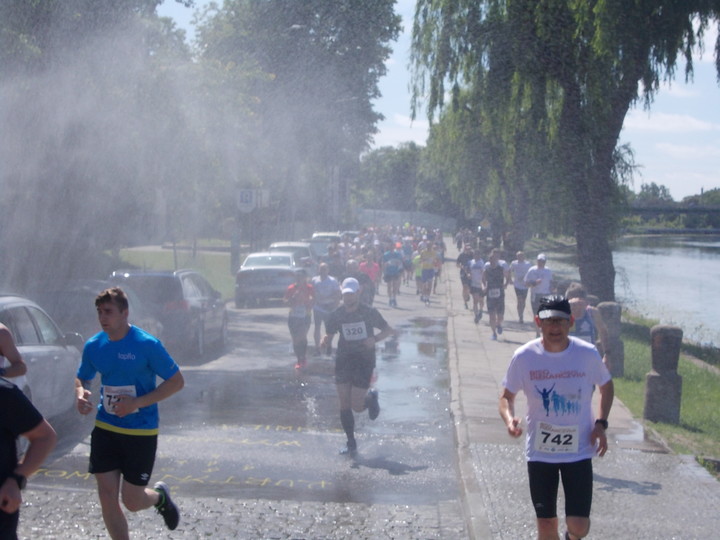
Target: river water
(674,279)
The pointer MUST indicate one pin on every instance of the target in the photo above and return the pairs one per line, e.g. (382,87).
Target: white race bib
(553,439)
(493,293)
(112,393)
(355,331)
(298,311)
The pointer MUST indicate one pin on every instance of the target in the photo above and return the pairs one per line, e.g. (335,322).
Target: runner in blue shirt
(124,440)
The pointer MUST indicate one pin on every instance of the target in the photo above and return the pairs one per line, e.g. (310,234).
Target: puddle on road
(275,433)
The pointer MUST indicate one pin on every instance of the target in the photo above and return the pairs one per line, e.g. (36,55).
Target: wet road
(247,426)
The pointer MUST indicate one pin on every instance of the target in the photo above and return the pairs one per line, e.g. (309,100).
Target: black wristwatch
(603,423)
(20,479)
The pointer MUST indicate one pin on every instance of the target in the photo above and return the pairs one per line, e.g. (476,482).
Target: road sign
(246,200)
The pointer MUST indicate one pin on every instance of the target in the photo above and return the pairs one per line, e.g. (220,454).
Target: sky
(676,142)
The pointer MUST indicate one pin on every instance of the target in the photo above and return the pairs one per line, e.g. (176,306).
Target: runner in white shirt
(519,269)
(539,281)
(557,374)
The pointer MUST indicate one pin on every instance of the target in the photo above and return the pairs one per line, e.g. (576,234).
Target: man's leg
(577,480)
(347,419)
(136,498)
(108,485)
(492,316)
(316,333)
(578,527)
(357,398)
(547,528)
(544,479)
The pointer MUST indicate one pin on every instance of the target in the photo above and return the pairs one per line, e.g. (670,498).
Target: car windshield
(298,250)
(156,289)
(320,246)
(268,260)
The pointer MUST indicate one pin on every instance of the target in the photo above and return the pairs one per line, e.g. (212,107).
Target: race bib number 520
(554,439)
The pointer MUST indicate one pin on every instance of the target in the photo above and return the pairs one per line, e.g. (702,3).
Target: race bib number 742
(553,439)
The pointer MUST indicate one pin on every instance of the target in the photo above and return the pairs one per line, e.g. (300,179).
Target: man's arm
(42,440)
(126,404)
(529,279)
(387,331)
(597,436)
(607,395)
(506,407)
(82,394)
(8,349)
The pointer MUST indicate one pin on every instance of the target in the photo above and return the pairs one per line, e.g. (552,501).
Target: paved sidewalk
(641,490)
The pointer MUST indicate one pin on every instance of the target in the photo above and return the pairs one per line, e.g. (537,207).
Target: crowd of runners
(383,258)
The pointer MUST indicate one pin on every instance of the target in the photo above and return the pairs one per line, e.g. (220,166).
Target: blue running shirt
(127,367)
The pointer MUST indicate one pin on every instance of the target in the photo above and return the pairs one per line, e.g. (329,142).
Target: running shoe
(372,404)
(479,314)
(166,507)
(477,318)
(499,329)
(350,449)
(301,363)
(494,337)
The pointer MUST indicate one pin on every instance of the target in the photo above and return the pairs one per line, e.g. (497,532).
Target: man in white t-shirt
(539,280)
(518,269)
(557,374)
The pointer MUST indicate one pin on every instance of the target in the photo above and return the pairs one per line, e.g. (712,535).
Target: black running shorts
(132,455)
(577,480)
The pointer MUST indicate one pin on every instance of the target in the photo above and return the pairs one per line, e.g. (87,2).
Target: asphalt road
(254,441)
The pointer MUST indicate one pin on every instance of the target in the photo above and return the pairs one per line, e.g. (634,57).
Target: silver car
(265,276)
(52,358)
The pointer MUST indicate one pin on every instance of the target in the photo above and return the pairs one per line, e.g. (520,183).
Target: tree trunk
(595,261)
(591,188)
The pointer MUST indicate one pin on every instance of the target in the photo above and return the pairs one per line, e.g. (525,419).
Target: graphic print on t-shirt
(559,404)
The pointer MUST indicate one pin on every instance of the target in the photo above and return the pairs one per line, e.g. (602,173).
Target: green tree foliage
(322,61)
(97,139)
(551,82)
(653,195)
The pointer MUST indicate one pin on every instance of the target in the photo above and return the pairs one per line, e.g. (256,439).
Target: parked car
(52,358)
(72,307)
(191,311)
(303,251)
(265,276)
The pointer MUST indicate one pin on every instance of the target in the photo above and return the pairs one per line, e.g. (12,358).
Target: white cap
(350,285)
(541,257)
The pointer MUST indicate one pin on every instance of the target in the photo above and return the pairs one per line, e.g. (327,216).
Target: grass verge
(698,432)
